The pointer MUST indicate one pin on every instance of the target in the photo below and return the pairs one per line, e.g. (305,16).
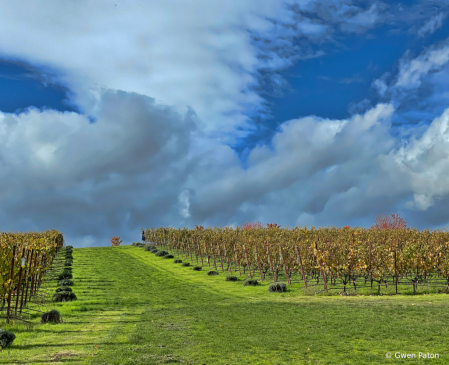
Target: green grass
(136,308)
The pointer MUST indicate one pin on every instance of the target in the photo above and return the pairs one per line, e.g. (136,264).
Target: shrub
(68,262)
(212,272)
(115,241)
(197,268)
(177,261)
(51,317)
(69,256)
(138,244)
(277,288)
(65,282)
(66,274)
(161,253)
(252,282)
(64,296)
(169,256)
(153,249)
(63,288)
(231,278)
(69,247)
(6,338)
(147,247)
(68,268)
(185,264)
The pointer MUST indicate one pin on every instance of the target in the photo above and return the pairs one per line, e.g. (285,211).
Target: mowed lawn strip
(193,318)
(136,308)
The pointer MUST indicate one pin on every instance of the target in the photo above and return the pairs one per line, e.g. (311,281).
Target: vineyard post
(270,263)
(247,261)
(285,267)
(10,289)
(221,258)
(395,267)
(229,260)
(207,253)
(32,277)
(300,264)
(190,250)
(238,262)
(28,277)
(322,270)
(258,264)
(25,288)
(370,272)
(20,282)
(200,253)
(213,255)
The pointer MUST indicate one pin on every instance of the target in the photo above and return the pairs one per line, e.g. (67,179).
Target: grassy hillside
(135,308)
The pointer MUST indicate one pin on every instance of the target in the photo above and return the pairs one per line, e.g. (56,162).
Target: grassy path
(135,308)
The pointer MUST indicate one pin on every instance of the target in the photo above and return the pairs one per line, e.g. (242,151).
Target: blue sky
(124,116)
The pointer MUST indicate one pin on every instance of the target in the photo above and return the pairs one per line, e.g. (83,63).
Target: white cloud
(432,25)
(412,71)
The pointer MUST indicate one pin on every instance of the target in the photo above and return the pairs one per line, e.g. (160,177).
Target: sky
(120,115)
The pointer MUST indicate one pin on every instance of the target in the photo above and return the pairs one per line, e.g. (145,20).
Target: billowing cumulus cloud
(169,89)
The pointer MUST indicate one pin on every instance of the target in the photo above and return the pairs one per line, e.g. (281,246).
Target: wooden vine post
(270,263)
(298,255)
(322,270)
(247,261)
(20,282)
(258,264)
(25,288)
(221,258)
(11,284)
(213,255)
(285,267)
(238,262)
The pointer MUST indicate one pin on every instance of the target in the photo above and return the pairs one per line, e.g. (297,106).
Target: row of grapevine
(347,255)
(24,258)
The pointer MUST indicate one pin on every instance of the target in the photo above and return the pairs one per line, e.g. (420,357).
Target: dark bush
(68,268)
(51,317)
(69,247)
(161,253)
(197,268)
(63,288)
(277,288)
(6,338)
(252,282)
(69,257)
(66,274)
(64,296)
(65,282)
(212,272)
(148,247)
(153,249)
(231,278)
(169,256)
(68,262)
(177,261)
(185,264)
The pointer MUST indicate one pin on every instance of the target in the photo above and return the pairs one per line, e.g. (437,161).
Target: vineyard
(24,259)
(331,258)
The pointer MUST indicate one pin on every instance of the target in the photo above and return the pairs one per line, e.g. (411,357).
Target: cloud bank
(170,89)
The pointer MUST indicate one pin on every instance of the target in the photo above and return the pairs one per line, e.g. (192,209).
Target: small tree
(273,225)
(116,241)
(396,222)
(252,225)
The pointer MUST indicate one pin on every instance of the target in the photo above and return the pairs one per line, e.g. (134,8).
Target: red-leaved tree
(396,222)
(116,241)
(252,225)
